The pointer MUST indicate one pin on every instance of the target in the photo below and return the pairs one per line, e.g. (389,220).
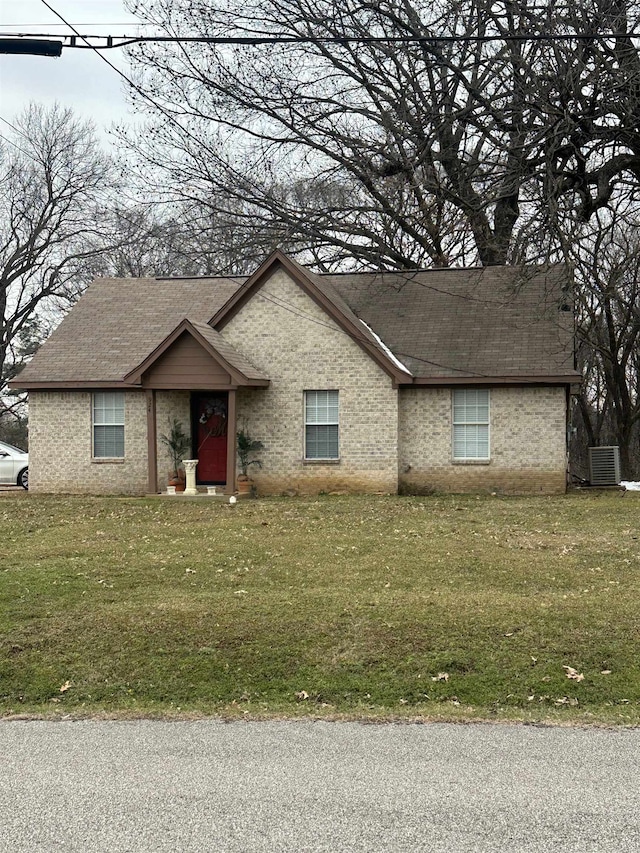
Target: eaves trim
(556,379)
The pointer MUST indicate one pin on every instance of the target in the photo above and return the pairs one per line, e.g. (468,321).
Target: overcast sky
(79,78)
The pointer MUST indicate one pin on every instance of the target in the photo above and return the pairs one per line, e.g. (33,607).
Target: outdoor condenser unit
(604,466)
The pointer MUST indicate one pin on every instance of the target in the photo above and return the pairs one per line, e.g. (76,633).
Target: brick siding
(60,443)
(527,443)
(300,348)
(60,446)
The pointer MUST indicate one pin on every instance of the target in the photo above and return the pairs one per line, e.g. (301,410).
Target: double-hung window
(321,425)
(108,424)
(471,425)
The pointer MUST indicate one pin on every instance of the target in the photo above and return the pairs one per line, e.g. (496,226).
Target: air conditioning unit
(604,466)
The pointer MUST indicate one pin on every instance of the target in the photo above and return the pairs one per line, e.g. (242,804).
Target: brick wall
(60,443)
(60,446)
(300,349)
(527,436)
(169,405)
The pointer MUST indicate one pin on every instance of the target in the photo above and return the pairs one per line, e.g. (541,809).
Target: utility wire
(13,127)
(279,302)
(286,306)
(170,118)
(15,144)
(83,24)
(114,42)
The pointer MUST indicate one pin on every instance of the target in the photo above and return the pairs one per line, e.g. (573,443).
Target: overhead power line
(83,24)
(145,95)
(80,41)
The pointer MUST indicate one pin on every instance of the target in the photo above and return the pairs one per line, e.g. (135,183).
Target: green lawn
(436,607)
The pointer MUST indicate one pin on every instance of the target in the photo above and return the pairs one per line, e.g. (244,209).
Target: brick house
(452,380)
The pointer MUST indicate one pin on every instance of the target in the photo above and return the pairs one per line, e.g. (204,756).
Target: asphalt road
(211,786)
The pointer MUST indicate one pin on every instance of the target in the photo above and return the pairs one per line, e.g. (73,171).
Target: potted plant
(178,443)
(247,447)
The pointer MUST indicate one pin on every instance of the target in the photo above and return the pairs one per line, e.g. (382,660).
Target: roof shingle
(442,324)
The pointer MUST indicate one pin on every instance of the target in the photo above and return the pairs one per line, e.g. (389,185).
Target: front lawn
(368,607)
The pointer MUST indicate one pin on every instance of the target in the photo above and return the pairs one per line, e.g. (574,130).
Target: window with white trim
(108,424)
(471,424)
(321,425)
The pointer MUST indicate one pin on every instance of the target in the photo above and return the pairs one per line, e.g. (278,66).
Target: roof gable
(324,295)
(176,355)
(115,324)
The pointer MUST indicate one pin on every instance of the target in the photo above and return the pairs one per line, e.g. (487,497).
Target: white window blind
(108,424)
(321,425)
(471,424)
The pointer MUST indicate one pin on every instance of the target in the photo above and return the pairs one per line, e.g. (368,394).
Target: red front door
(210,429)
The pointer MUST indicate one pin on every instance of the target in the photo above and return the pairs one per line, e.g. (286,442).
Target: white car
(14,466)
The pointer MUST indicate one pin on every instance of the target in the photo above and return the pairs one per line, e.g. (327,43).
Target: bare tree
(55,220)
(608,270)
(403,151)
(514,138)
(397,153)
(182,239)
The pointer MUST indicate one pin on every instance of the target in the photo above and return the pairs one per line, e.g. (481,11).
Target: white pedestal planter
(190,471)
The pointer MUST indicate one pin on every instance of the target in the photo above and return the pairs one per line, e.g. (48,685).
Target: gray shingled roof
(118,322)
(492,322)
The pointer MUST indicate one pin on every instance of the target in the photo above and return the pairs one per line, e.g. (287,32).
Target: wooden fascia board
(563,379)
(236,375)
(66,385)
(62,385)
(371,349)
(278,259)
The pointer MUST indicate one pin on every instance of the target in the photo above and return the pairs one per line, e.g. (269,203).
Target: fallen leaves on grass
(441,676)
(566,700)
(573,674)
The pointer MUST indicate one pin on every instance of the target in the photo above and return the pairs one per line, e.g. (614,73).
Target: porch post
(152,445)
(232,429)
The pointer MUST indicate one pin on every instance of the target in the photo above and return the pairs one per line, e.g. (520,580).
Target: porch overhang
(195,356)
